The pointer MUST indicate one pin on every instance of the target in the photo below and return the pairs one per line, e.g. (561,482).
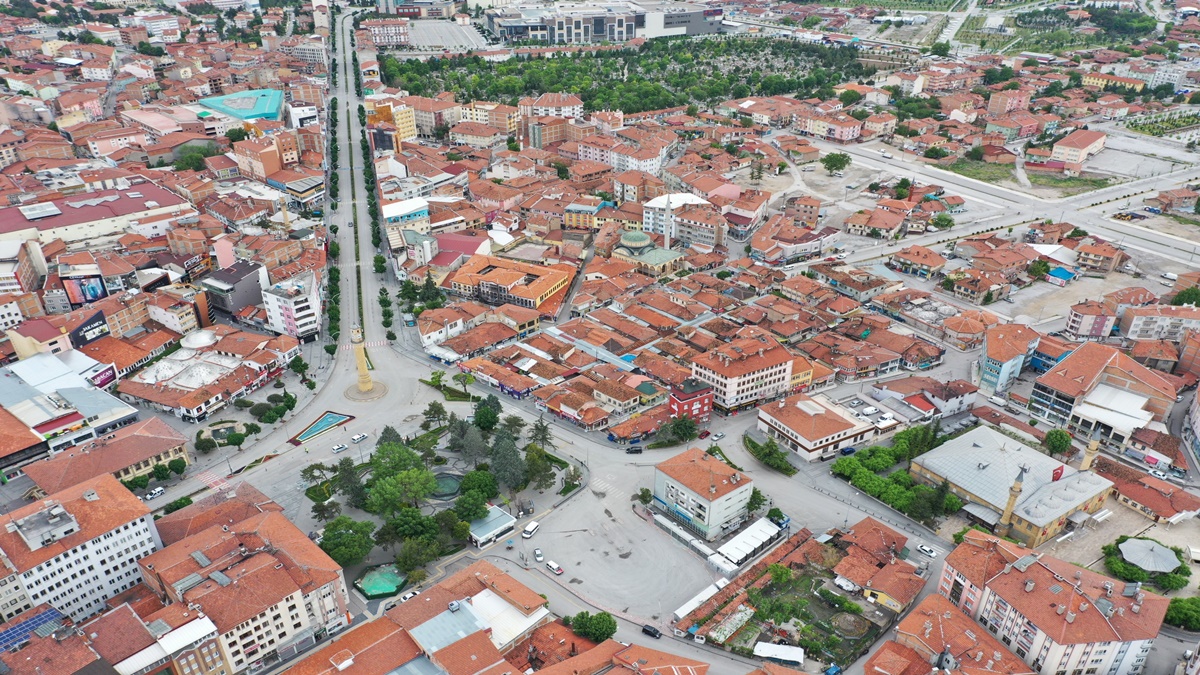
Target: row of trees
(919,502)
(160,472)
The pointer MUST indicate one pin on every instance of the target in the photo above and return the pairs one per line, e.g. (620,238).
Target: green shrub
(177,504)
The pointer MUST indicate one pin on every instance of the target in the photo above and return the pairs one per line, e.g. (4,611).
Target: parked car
(718,436)
(855,403)
(846,452)
(554,567)
(358,438)
(409,596)
(705,434)
(155,493)
(537,555)
(841,256)
(927,551)
(340,447)
(1158,474)
(870,411)
(652,631)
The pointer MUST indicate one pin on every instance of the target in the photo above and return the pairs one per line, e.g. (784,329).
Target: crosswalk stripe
(212,480)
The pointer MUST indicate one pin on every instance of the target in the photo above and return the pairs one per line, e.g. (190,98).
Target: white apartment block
(10,312)
(293,306)
(75,549)
(1159,322)
(267,603)
(1057,617)
(700,491)
(750,369)
(552,104)
(387,32)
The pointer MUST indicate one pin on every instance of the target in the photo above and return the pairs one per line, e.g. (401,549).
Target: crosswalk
(213,481)
(374,343)
(603,485)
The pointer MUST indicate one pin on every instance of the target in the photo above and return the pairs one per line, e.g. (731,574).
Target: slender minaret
(1013,492)
(668,224)
(1089,455)
(360,358)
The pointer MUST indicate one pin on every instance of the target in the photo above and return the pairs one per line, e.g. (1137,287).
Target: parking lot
(433,34)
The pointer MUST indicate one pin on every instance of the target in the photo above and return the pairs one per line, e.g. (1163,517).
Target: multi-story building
(478,135)
(1090,320)
(749,369)
(812,426)
(270,591)
(432,114)
(1007,350)
(551,104)
(497,281)
(21,265)
(692,398)
(75,549)
(1056,616)
(293,306)
(124,453)
(1078,146)
(1159,322)
(231,288)
(1100,392)
(387,32)
(702,493)
(682,216)
(1098,257)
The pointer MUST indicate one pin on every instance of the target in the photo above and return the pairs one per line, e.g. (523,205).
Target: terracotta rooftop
(225,507)
(126,447)
(703,474)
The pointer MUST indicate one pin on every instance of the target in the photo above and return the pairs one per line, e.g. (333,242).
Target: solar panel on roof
(1024,562)
(15,635)
(39,211)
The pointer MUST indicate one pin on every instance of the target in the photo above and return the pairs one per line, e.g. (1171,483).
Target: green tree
(757,500)
(235,439)
(936,152)
(389,435)
(326,510)
(187,501)
(298,366)
(507,463)
(410,523)
(942,221)
(316,472)
(849,97)
(645,496)
(348,541)
(470,506)
(417,552)
(1188,296)
(482,482)
(1039,269)
(781,575)
(465,379)
(236,134)
(486,418)
(1057,441)
(975,154)
(940,49)
(513,424)
(177,466)
(435,412)
(160,472)
(541,435)
(836,161)
(250,428)
(348,483)
(408,487)
(539,472)
(380,264)
(391,459)
(595,627)
(473,447)
(679,430)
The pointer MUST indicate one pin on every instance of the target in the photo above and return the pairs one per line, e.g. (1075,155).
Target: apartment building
(685,217)
(497,281)
(387,32)
(430,114)
(1090,320)
(1055,616)
(293,306)
(269,590)
(749,369)
(75,549)
(1159,322)
(812,426)
(124,453)
(702,493)
(551,104)
(1007,350)
(504,117)
(1100,392)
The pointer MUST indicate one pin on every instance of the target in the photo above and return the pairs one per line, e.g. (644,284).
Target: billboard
(82,290)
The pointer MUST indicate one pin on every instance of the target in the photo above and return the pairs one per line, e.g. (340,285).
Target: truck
(1169,276)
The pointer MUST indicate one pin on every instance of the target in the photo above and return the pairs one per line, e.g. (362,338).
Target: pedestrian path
(212,480)
(374,343)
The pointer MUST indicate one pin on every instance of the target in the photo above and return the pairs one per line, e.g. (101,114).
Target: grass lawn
(1183,220)
(568,488)
(991,173)
(320,492)
(1067,185)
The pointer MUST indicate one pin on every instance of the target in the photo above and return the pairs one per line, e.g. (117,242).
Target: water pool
(447,486)
(327,421)
(381,581)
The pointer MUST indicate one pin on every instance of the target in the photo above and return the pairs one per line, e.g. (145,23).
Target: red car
(831,259)
(705,433)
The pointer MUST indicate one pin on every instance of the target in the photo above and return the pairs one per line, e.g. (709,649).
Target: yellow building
(1104,80)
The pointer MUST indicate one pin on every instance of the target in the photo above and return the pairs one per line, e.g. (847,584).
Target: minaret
(667,224)
(1013,492)
(360,358)
(1089,455)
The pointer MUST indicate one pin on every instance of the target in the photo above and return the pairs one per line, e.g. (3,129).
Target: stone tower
(1013,492)
(360,359)
(1089,455)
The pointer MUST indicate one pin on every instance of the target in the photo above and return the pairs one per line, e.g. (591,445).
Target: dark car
(651,631)
(705,433)
(633,450)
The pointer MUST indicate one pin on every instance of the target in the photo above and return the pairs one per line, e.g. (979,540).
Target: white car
(842,256)
(537,555)
(358,438)
(554,567)
(409,596)
(870,411)
(1158,474)
(927,551)
(340,447)
(718,436)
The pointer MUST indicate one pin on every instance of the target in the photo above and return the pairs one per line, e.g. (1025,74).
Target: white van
(996,400)
(530,529)
(1170,276)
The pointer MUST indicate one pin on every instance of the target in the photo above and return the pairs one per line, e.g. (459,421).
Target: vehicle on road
(409,596)
(705,434)
(718,436)
(633,450)
(1158,474)
(652,631)
(888,155)
(340,447)
(1169,275)
(358,438)
(846,452)
(927,551)
(841,256)
(537,555)
(155,493)
(554,567)
(1153,209)
(530,529)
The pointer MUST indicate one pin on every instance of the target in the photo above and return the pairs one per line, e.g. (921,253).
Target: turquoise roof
(255,104)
